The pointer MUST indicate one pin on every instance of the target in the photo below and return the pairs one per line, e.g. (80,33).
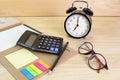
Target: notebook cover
(46,57)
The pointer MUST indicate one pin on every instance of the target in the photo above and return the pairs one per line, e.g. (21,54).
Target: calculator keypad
(49,44)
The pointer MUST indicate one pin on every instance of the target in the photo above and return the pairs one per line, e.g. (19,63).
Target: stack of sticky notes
(35,69)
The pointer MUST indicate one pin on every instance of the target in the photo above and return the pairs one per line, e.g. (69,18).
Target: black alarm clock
(78,23)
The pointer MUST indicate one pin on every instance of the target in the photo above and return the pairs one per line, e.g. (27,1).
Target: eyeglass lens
(85,48)
(96,61)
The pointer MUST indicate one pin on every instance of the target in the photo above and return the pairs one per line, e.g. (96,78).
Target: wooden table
(105,36)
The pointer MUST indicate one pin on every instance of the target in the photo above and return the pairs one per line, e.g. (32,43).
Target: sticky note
(38,65)
(36,69)
(44,64)
(31,71)
(21,58)
(27,74)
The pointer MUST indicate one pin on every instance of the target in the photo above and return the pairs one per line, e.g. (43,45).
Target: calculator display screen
(31,40)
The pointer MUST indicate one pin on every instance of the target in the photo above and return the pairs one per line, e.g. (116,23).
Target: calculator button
(58,40)
(39,46)
(52,49)
(56,49)
(58,43)
(54,42)
(51,39)
(45,41)
(44,44)
(57,46)
(40,43)
(53,45)
(43,47)
(47,48)
(48,44)
(43,38)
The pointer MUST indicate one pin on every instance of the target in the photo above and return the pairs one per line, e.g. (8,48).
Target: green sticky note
(31,71)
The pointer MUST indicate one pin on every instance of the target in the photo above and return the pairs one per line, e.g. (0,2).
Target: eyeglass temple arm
(106,67)
(87,49)
(99,68)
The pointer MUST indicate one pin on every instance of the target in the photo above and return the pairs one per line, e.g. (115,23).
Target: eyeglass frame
(94,54)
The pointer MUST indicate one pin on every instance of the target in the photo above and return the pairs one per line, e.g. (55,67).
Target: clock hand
(75,27)
(77,23)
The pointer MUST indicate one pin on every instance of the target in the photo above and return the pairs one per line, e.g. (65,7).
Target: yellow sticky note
(44,64)
(21,58)
(36,69)
(30,70)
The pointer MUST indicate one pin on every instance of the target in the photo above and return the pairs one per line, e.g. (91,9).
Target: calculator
(40,42)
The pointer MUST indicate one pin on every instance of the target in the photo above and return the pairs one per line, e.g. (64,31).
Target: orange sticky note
(44,64)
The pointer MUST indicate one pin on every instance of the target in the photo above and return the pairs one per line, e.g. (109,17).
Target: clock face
(77,25)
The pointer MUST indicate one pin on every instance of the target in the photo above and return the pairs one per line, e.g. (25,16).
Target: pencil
(55,63)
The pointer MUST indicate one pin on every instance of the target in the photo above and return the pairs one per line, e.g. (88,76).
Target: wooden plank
(55,7)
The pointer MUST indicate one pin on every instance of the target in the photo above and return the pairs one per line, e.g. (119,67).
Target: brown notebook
(47,58)
(16,58)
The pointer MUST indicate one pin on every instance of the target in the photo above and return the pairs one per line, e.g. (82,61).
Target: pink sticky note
(38,65)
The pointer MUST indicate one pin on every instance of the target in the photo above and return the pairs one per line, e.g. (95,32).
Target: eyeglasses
(96,61)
